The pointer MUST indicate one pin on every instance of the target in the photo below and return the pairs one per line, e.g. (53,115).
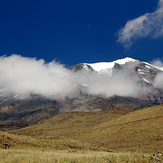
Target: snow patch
(85,66)
(159,68)
(109,65)
(84,85)
(123,61)
(146,80)
(141,73)
(147,66)
(101,65)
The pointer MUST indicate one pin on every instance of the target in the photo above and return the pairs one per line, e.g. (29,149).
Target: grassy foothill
(99,137)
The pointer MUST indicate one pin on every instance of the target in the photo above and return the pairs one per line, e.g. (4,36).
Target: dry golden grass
(137,131)
(67,124)
(23,142)
(140,131)
(38,156)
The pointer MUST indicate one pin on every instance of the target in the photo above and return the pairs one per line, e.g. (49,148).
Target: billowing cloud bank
(150,24)
(25,76)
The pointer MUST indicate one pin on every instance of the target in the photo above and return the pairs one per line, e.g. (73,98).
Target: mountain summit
(144,74)
(102,66)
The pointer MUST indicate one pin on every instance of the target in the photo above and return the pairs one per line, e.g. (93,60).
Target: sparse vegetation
(33,156)
(139,131)
(88,137)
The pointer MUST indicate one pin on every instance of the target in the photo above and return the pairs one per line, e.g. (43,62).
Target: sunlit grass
(87,138)
(38,156)
(140,131)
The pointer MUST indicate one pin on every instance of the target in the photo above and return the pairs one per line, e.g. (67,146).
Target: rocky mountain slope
(20,113)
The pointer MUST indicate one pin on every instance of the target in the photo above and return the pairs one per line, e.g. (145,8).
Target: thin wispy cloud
(147,25)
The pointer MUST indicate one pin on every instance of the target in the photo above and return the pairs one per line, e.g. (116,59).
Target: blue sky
(76,31)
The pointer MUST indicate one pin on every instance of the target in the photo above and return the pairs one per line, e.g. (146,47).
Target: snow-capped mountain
(145,74)
(146,71)
(36,107)
(100,66)
(107,67)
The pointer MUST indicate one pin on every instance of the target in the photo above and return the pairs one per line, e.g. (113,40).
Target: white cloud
(157,62)
(158,81)
(119,84)
(25,76)
(159,77)
(150,24)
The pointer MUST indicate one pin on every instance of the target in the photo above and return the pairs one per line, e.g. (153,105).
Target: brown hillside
(68,124)
(137,131)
